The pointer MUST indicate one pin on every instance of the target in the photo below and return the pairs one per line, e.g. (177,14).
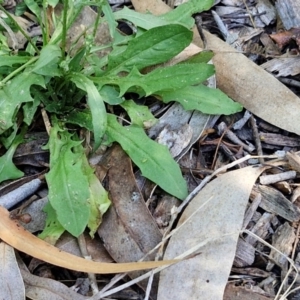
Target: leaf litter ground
(272,216)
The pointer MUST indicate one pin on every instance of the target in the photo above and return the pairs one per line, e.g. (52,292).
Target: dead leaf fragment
(11,282)
(219,211)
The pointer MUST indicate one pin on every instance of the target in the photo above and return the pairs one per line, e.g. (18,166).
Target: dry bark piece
(261,228)
(289,12)
(245,254)
(282,240)
(279,139)
(233,292)
(251,272)
(270,179)
(283,66)
(275,202)
(294,160)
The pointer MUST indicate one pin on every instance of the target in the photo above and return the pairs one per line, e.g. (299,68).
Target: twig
(257,139)
(86,255)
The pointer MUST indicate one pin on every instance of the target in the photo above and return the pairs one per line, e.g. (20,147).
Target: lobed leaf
(181,15)
(203,98)
(7,168)
(68,185)
(165,78)
(9,61)
(139,114)
(184,11)
(14,94)
(153,47)
(53,229)
(153,159)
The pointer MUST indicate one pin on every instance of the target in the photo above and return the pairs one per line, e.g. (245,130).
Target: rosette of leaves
(74,85)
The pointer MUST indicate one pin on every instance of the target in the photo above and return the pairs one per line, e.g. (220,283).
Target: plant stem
(28,38)
(15,72)
(64,31)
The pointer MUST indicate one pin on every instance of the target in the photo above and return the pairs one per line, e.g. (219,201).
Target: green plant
(74,86)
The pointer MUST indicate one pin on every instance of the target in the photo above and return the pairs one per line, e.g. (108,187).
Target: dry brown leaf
(128,230)
(242,80)
(215,215)
(11,282)
(38,288)
(15,235)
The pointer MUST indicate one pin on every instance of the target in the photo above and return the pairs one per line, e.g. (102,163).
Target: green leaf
(68,185)
(145,21)
(139,114)
(181,15)
(153,159)
(203,98)
(202,57)
(153,47)
(7,168)
(110,18)
(6,60)
(47,63)
(98,200)
(30,109)
(184,11)
(52,3)
(110,95)
(33,6)
(53,229)
(165,78)
(82,118)
(96,104)
(14,94)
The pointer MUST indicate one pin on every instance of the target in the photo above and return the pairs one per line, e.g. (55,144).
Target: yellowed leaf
(15,235)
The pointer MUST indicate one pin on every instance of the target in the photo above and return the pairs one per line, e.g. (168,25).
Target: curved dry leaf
(13,234)
(215,215)
(11,282)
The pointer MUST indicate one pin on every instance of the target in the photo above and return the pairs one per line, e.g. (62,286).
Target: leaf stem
(64,30)
(28,38)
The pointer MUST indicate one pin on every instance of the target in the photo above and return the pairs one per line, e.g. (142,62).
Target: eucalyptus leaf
(153,159)
(153,47)
(203,98)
